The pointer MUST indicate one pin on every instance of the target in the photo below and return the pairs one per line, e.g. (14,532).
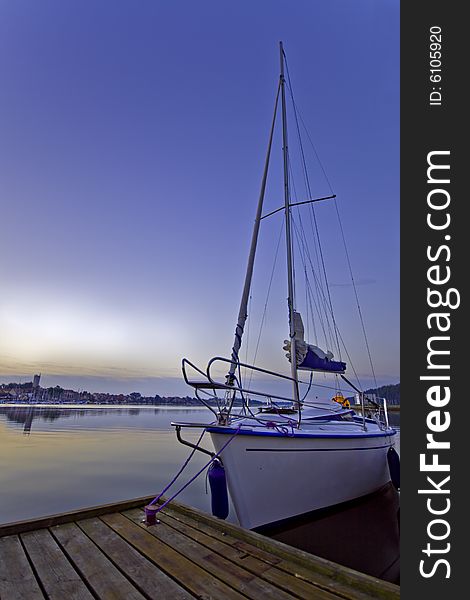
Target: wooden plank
(248,557)
(288,567)
(270,582)
(17,580)
(145,575)
(217,542)
(253,556)
(219,534)
(195,579)
(359,582)
(59,579)
(95,568)
(273,556)
(73,515)
(227,571)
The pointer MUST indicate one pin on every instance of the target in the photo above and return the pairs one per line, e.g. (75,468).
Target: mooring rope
(213,458)
(191,454)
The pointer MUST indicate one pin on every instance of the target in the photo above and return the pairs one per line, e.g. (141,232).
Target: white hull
(274,477)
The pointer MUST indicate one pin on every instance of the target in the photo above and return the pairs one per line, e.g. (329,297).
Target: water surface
(59,459)
(56,459)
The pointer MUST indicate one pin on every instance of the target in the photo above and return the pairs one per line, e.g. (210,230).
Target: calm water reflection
(58,459)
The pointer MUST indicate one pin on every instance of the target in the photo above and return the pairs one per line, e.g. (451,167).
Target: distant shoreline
(391,408)
(63,405)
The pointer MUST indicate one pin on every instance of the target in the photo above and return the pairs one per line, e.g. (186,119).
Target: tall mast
(243,312)
(290,269)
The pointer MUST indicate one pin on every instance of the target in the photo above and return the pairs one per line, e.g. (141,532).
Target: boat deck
(108,552)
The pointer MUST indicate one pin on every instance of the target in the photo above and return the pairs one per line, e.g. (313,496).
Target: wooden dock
(107,552)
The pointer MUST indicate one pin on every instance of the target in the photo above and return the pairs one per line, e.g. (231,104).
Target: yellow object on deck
(340,399)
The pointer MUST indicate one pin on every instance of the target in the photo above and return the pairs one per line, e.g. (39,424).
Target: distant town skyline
(132,147)
(32,394)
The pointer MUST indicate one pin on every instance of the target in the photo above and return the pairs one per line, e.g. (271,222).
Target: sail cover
(310,357)
(313,362)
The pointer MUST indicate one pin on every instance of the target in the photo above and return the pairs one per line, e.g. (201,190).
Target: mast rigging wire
(308,189)
(339,221)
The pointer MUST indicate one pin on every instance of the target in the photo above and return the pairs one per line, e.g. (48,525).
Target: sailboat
(281,454)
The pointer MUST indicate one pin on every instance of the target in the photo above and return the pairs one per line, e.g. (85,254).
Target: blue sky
(132,142)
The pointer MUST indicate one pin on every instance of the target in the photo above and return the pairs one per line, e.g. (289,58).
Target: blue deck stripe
(231,431)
